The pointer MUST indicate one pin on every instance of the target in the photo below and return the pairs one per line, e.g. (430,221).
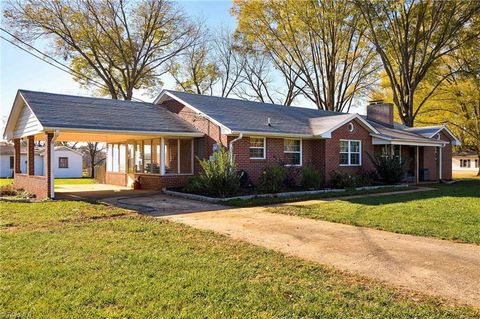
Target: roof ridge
(85,97)
(255,102)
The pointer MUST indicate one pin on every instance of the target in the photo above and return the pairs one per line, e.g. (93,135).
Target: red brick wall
(274,155)
(31,155)
(160,182)
(332,150)
(113,178)
(35,185)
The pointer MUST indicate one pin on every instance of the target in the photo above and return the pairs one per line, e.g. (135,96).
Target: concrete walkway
(434,267)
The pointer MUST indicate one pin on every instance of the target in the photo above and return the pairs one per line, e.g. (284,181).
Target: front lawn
(74,181)
(58,181)
(451,212)
(6,181)
(77,260)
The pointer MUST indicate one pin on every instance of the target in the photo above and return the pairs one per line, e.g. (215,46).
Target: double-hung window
(257,147)
(63,162)
(292,150)
(350,153)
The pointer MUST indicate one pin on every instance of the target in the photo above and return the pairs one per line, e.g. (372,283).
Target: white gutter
(50,159)
(267,134)
(230,146)
(125,132)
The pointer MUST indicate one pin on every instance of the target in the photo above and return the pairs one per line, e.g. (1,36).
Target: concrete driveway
(431,266)
(434,267)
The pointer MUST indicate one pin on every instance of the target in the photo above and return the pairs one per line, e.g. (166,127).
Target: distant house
(466,162)
(159,144)
(7,160)
(67,162)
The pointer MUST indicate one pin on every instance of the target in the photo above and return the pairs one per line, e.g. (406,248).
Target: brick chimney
(380,112)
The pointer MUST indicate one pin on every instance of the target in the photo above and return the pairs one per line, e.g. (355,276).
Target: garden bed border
(273,195)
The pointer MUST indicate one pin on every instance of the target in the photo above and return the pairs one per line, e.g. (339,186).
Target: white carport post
(162,156)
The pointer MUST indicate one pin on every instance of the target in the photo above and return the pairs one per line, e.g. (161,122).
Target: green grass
(451,212)
(77,260)
(6,181)
(74,181)
(259,201)
(58,181)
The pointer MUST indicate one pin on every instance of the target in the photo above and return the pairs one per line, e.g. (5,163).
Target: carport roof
(59,111)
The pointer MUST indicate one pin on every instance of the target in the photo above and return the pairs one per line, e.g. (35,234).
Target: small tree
(218,177)
(390,169)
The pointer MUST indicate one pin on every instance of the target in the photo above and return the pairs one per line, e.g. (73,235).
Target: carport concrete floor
(94,192)
(431,266)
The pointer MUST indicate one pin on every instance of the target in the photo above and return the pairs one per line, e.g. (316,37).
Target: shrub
(346,180)
(390,170)
(291,175)
(8,190)
(311,178)
(272,179)
(219,176)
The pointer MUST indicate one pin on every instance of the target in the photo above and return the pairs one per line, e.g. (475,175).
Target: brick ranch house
(159,143)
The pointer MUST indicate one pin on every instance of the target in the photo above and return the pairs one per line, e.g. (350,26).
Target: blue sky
(20,70)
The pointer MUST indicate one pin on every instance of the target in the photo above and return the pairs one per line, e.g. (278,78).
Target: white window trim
(349,153)
(256,147)
(290,152)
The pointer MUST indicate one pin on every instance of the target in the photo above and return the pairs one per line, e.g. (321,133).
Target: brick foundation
(148,181)
(119,179)
(35,185)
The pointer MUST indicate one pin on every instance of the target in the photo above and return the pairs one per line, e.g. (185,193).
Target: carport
(47,117)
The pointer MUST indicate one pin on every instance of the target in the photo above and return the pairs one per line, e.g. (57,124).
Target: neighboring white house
(67,163)
(6,160)
(465,162)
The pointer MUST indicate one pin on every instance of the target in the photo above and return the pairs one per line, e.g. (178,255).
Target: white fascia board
(164,93)
(122,132)
(355,116)
(455,141)
(383,140)
(13,117)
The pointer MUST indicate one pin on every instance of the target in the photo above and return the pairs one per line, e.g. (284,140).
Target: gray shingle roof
(426,131)
(241,115)
(398,132)
(68,111)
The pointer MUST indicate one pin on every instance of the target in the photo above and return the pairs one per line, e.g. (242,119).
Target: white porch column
(162,156)
(440,163)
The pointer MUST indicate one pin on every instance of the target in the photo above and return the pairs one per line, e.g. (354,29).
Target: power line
(69,71)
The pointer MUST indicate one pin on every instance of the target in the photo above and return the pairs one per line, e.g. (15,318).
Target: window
(257,147)
(292,150)
(178,156)
(465,163)
(11,162)
(350,153)
(63,162)
(476,163)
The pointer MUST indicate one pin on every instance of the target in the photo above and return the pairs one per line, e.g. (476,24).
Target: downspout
(230,146)
(52,173)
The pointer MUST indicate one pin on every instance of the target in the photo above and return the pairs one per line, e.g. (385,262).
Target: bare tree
(410,37)
(230,61)
(322,41)
(121,44)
